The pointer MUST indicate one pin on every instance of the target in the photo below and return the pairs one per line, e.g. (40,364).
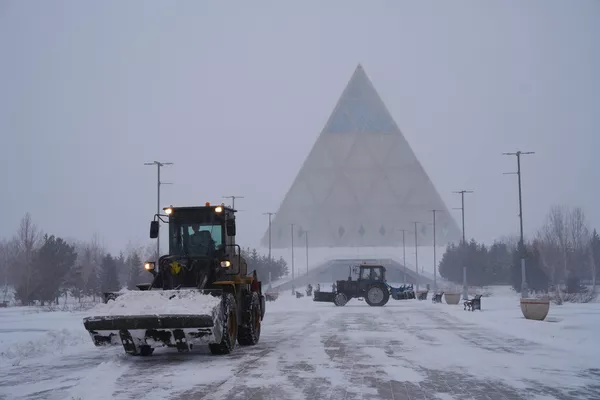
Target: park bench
(437,297)
(422,295)
(473,304)
(299,295)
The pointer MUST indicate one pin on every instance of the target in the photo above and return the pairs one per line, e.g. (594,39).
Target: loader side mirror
(153,229)
(230,226)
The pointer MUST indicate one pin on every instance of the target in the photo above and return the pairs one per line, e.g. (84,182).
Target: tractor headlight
(226,264)
(218,209)
(149,266)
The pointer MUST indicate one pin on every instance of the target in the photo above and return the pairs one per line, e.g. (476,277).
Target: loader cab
(199,232)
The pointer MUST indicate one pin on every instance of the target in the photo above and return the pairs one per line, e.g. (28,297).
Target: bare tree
(27,240)
(564,244)
(579,243)
(150,252)
(89,256)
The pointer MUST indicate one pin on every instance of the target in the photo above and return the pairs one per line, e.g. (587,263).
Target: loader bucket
(142,320)
(324,297)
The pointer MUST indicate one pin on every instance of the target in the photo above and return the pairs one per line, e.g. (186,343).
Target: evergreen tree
(52,263)
(122,267)
(263,265)
(499,262)
(134,263)
(451,264)
(595,248)
(74,282)
(535,274)
(109,281)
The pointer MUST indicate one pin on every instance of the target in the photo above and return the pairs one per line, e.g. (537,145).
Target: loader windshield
(195,239)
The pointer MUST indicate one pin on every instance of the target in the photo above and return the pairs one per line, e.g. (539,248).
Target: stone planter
(452,298)
(536,309)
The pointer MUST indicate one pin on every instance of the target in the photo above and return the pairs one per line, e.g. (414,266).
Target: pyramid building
(361,184)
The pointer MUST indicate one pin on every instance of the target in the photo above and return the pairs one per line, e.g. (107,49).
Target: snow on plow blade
(324,296)
(142,320)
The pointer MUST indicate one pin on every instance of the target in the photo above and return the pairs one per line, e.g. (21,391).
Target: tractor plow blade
(143,320)
(326,297)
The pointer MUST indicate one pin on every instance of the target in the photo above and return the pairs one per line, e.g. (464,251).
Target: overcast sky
(236,93)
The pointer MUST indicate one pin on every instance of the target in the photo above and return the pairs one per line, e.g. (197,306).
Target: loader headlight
(218,209)
(149,266)
(168,210)
(226,264)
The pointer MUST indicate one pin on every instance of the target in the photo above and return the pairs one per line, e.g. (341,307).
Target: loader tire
(249,331)
(377,295)
(230,327)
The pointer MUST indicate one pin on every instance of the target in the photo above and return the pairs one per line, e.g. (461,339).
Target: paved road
(406,350)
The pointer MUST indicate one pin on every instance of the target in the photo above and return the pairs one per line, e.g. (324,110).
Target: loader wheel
(230,328)
(340,300)
(377,295)
(249,331)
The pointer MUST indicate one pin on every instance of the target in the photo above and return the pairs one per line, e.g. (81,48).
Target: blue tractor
(370,285)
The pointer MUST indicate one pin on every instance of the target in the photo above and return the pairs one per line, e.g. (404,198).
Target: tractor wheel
(340,300)
(230,327)
(377,295)
(249,331)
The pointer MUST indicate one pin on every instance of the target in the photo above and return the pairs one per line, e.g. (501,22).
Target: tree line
(265,265)
(563,254)
(42,267)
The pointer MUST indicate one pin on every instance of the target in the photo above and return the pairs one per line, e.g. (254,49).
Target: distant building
(361,183)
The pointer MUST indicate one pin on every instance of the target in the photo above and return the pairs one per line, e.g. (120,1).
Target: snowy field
(405,350)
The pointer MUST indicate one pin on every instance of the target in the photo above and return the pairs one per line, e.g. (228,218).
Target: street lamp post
(233,199)
(416,257)
(306,241)
(462,208)
(434,253)
(524,288)
(404,253)
(270,214)
(158,166)
(292,225)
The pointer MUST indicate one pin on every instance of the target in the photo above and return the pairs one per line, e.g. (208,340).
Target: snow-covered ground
(407,349)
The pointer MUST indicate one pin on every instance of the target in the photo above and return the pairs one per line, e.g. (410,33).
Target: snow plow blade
(326,297)
(148,322)
(173,318)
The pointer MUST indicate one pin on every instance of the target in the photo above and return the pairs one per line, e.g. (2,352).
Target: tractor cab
(372,273)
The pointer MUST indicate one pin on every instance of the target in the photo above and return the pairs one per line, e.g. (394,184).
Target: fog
(236,94)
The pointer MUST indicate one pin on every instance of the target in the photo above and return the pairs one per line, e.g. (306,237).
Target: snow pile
(50,343)
(159,302)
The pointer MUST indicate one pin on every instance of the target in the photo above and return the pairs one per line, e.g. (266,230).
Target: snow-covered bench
(437,297)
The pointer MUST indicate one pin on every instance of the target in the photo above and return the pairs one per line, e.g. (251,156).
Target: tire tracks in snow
(250,363)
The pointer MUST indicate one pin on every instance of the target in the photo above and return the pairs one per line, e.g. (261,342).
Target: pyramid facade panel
(361,183)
